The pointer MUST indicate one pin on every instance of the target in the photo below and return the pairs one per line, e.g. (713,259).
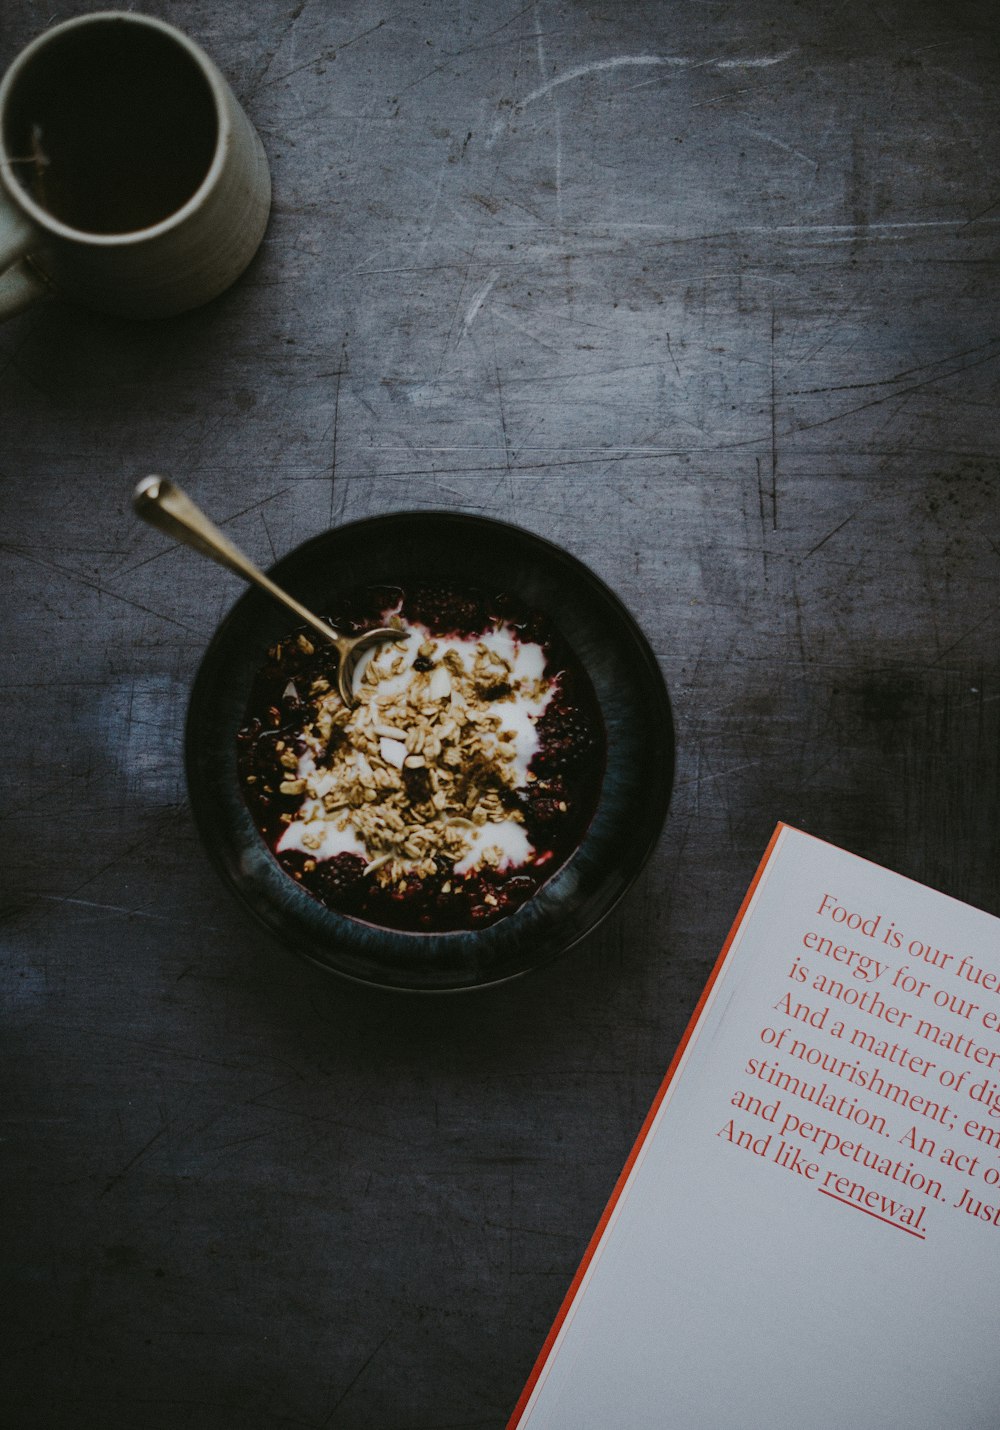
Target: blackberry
(540,792)
(411,889)
(493,895)
(530,625)
(513,892)
(545,811)
(417,784)
(250,731)
(446,611)
(519,886)
(511,798)
(292,704)
(335,739)
(288,661)
(364,609)
(337,877)
(543,803)
(259,755)
(565,737)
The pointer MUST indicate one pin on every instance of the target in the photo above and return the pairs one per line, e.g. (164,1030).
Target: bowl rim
(660,789)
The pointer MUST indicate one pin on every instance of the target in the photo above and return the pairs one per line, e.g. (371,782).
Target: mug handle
(19,283)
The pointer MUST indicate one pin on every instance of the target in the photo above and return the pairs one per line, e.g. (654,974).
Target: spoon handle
(164,505)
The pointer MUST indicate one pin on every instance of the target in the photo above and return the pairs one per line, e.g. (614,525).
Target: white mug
(130,179)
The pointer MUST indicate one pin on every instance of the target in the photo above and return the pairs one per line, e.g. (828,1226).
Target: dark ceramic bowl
(440,548)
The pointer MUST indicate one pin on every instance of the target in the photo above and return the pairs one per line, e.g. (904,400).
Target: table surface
(707,294)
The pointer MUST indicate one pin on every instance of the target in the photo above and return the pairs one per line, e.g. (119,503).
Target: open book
(807,1233)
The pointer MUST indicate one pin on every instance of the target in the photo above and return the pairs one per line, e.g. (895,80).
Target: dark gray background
(705,292)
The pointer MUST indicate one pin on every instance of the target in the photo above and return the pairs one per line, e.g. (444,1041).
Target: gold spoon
(162,503)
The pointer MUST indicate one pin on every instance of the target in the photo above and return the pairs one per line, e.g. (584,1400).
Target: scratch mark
(762,63)
(118,1176)
(265,83)
(849,230)
(242,1141)
(698,779)
(355,1378)
(890,397)
(720,98)
(511,202)
(425,268)
(542,71)
(258,1100)
(363,35)
(539,47)
(267,533)
(672,61)
(478,299)
(35,898)
(639,84)
(497,130)
(446,348)
(499,29)
(887,381)
(234,516)
(432,217)
(774,438)
(596,67)
(261,76)
(990,616)
(799,632)
(558,170)
(503,420)
(981,214)
(823,540)
(120,909)
(82,580)
(529,333)
(176,546)
(788,148)
(333,455)
(761,510)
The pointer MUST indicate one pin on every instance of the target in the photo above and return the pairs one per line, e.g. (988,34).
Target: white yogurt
(332,832)
(507,836)
(334,840)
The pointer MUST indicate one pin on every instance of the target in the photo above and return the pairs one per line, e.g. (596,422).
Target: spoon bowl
(164,505)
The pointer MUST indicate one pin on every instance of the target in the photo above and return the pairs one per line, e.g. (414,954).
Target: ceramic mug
(130,179)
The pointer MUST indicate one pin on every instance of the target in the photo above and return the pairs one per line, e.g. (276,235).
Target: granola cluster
(423,769)
(464,777)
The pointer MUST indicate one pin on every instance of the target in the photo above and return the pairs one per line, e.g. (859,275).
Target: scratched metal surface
(706,293)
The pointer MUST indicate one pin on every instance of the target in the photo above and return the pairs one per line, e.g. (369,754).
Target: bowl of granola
(493,791)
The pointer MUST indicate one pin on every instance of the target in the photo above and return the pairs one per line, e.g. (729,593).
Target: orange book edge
(623,1177)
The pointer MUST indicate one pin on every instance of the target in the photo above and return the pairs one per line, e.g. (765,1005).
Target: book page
(809,1234)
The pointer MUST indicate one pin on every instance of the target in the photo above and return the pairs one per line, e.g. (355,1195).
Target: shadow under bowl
(452,549)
